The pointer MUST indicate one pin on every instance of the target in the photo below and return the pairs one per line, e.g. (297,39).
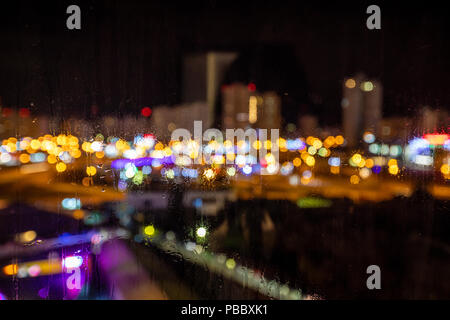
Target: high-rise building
(269,112)
(352,109)
(244,107)
(235,102)
(373,101)
(362,108)
(202,75)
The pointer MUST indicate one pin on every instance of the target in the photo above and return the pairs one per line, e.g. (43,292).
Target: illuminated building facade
(244,107)
(362,108)
(235,102)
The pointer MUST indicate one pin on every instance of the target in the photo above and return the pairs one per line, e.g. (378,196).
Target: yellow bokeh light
(350,83)
(392,162)
(267,145)
(35,144)
(356,158)
(334,169)
(303,155)
(51,159)
(312,150)
(339,140)
(10,269)
(24,158)
(28,236)
(61,167)
(231,156)
(91,171)
(354,179)
(227,144)
(297,162)
(445,169)
(310,140)
(149,230)
(45,145)
(230,263)
(257,145)
(122,145)
(305,181)
(282,143)
(193,154)
(11,147)
(12,140)
(329,142)
(73,141)
(367,86)
(76,153)
(100,154)
(61,139)
(310,161)
(159,146)
(167,151)
(362,163)
(317,144)
(393,169)
(369,163)
(86,146)
(56,151)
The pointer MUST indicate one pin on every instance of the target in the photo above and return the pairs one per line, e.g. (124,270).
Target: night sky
(128,54)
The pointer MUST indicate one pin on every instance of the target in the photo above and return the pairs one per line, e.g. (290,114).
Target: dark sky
(128,54)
